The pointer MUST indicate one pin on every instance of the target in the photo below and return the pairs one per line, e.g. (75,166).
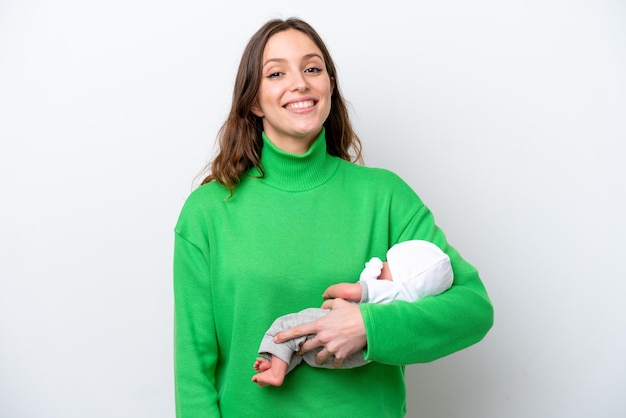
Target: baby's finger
(330,292)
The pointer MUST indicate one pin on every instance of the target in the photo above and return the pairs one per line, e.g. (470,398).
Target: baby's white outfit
(419,269)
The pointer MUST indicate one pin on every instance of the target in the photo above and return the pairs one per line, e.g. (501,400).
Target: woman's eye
(313,70)
(274,75)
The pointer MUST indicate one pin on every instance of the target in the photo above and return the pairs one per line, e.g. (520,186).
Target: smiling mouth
(300,105)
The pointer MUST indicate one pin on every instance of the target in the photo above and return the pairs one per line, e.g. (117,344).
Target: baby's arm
(347,291)
(353,291)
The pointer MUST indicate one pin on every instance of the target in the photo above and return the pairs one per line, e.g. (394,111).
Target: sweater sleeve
(195,343)
(429,328)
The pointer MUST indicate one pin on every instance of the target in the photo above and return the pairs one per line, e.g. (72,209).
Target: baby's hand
(347,291)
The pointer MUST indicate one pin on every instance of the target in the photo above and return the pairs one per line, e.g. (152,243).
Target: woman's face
(295,91)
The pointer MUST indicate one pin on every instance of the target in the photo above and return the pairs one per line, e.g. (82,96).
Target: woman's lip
(300,104)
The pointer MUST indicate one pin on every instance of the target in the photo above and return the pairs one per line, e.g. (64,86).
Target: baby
(414,269)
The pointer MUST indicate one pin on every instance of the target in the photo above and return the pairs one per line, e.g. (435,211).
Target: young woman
(283,208)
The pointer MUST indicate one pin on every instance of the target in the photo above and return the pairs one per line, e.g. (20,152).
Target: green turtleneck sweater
(272,249)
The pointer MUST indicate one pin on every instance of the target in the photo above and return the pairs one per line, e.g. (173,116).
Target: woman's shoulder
(381,181)
(211,191)
(372,174)
(207,194)
(204,198)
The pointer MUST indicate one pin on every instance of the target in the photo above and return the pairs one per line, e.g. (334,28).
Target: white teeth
(300,105)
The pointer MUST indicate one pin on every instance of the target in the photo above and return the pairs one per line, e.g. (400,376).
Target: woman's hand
(340,333)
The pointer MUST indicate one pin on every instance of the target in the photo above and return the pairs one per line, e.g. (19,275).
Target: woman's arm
(195,342)
(432,327)
(407,332)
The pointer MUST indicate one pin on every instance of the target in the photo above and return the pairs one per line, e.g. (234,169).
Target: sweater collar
(297,172)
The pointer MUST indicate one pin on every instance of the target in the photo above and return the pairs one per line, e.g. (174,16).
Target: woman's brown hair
(240,140)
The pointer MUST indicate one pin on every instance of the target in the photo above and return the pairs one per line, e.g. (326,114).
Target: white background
(508,119)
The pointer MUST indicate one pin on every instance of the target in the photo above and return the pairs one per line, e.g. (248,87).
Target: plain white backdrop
(507,118)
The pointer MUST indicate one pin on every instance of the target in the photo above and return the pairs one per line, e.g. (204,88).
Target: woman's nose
(299,83)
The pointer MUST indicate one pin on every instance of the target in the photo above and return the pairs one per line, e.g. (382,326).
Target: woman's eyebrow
(304,58)
(313,55)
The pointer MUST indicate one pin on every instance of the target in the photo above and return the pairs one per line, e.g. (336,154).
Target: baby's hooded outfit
(418,268)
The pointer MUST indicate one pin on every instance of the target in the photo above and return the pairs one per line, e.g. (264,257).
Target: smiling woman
(294,98)
(282,194)
(240,142)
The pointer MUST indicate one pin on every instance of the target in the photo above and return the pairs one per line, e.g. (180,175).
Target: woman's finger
(322,356)
(328,304)
(309,345)
(337,363)
(295,332)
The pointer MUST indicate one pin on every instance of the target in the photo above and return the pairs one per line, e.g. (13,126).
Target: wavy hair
(239,139)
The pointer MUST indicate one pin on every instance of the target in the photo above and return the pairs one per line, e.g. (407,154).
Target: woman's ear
(256,110)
